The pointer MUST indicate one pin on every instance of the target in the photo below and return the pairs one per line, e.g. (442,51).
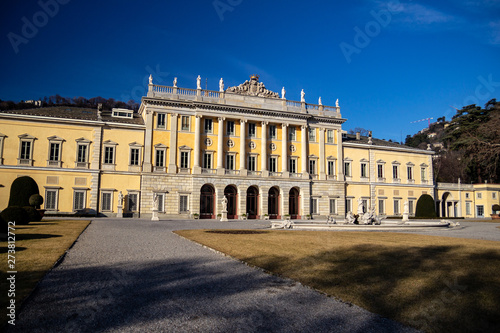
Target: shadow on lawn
(20,237)
(449,290)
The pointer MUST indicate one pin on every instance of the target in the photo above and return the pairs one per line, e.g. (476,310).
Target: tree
(362,131)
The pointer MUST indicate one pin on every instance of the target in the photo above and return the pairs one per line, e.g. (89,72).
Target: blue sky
(388,62)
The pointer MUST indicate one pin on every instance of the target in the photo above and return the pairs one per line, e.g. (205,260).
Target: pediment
(253,88)
(55,138)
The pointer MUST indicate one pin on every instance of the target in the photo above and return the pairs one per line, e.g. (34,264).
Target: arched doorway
(448,207)
(252,202)
(274,203)
(293,203)
(231,194)
(207,201)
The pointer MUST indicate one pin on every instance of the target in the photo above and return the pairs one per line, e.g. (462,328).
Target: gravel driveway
(137,276)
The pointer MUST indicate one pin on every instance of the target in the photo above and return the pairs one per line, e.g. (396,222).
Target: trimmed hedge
(36,200)
(426,207)
(17,214)
(33,214)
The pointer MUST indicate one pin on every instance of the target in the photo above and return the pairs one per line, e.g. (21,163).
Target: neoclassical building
(269,156)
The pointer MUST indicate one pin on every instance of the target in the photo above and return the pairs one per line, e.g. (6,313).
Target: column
(172,164)
(148,139)
(243,169)
(340,157)
(220,148)
(303,155)
(284,150)
(265,172)
(322,174)
(196,157)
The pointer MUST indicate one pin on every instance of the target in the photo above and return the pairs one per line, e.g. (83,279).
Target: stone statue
(150,79)
(175,82)
(337,103)
(302,96)
(198,82)
(155,202)
(224,203)
(283,93)
(360,207)
(221,85)
(349,219)
(120,198)
(319,101)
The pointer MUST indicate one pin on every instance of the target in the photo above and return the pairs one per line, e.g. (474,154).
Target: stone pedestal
(224,216)
(155,217)
(405,217)
(120,211)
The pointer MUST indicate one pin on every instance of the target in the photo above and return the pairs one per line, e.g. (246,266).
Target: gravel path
(137,276)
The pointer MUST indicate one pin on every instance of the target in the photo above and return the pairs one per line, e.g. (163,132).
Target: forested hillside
(467,147)
(82,102)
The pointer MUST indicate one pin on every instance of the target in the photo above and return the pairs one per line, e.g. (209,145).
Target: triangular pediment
(253,88)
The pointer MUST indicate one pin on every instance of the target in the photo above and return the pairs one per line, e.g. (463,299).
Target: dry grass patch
(38,246)
(436,284)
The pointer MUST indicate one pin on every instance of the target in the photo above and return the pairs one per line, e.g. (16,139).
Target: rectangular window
(109,154)
(293,165)
(329,136)
(207,161)
(54,151)
(479,195)
(185,123)
(395,174)
(25,150)
(51,199)
(331,168)
(422,173)
(381,206)
(314,206)
(79,200)
(134,156)
(292,134)
(494,195)
(252,163)
(364,202)
(132,202)
(251,130)
(312,134)
(82,154)
(480,210)
(333,206)
(184,160)
(272,132)
(208,126)
(410,207)
(230,162)
(347,169)
(183,204)
(410,172)
(348,205)
(161,202)
(312,167)
(467,208)
(106,202)
(364,173)
(230,128)
(380,171)
(273,161)
(160,120)
(396,207)
(160,158)
(467,195)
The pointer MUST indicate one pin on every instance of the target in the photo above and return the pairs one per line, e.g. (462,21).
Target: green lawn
(38,246)
(436,284)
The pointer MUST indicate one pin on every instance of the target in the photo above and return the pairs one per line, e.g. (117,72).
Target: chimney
(358,136)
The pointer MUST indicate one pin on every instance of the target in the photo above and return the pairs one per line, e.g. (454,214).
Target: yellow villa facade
(186,149)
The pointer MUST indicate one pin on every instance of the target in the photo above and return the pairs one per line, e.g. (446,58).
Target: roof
(71,112)
(351,138)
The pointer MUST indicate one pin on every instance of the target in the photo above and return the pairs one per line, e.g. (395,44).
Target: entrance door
(273,203)
(293,203)
(207,200)
(252,202)
(232,195)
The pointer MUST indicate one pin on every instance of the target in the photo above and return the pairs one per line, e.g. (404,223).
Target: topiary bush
(16,214)
(34,215)
(426,207)
(21,190)
(3,225)
(36,200)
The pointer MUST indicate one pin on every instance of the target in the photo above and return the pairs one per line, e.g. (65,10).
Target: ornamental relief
(253,88)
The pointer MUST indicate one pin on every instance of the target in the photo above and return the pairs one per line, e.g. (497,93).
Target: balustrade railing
(232,172)
(208,171)
(254,173)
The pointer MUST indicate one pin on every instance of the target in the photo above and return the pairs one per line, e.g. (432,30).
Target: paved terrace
(137,276)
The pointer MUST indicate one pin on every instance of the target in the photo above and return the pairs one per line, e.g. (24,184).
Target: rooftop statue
(221,85)
(253,88)
(283,93)
(198,82)
(302,96)
(175,82)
